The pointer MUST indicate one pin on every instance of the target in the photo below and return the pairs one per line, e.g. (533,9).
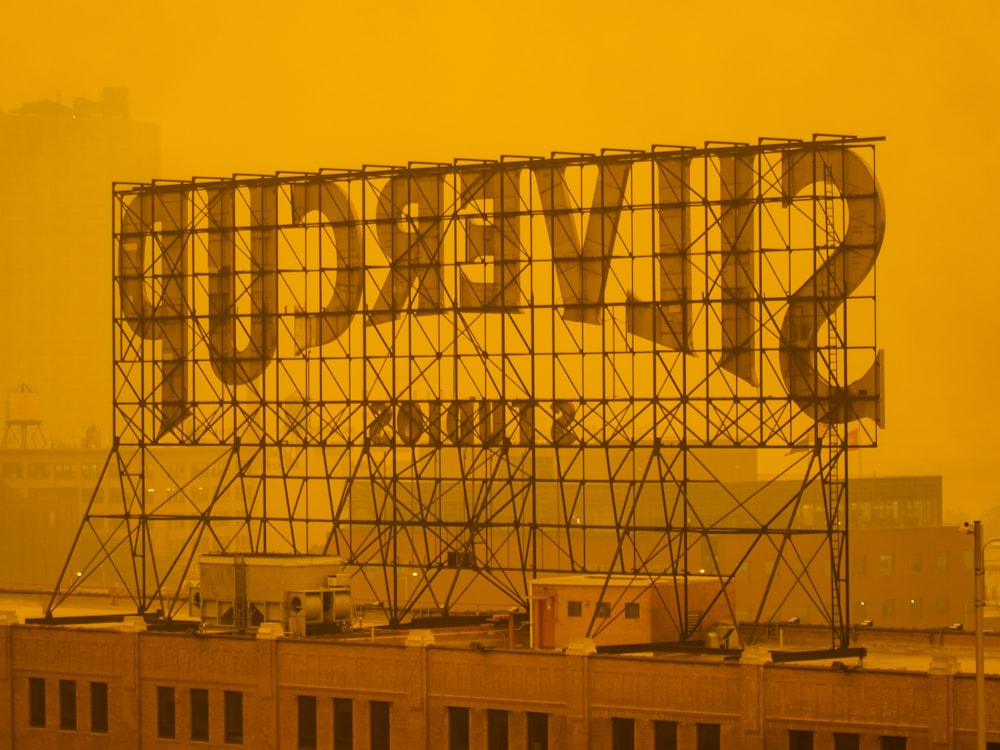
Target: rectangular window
(886,563)
(889,742)
(98,707)
(458,728)
(844,741)
(622,733)
(967,559)
(708,736)
(13,471)
(36,701)
(538,731)
(165,712)
(343,724)
(799,739)
(942,605)
(574,609)
(916,562)
(65,471)
(379,725)
(233,717)
(67,704)
(664,735)
(307,722)
(941,562)
(38,471)
(632,611)
(859,565)
(199,714)
(496,729)
(604,609)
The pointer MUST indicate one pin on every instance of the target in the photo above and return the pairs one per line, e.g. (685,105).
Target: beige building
(907,570)
(45,492)
(904,577)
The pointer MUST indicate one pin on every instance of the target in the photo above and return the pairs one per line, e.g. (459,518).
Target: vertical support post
(980,603)
(240,594)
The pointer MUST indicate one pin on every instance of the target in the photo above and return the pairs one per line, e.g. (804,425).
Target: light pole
(979,601)
(980,604)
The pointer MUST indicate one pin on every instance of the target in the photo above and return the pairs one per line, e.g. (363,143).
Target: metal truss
(459,377)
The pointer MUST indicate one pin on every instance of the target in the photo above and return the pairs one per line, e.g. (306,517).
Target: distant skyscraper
(58,165)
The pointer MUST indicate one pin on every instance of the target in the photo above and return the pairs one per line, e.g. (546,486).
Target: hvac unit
(338,605)
(245,591)
(306,604)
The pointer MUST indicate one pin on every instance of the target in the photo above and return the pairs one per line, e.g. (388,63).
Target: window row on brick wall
(343,723)
(166,710)
(69,719)
(167,698)
(709,737)
(800,739)
(496,725)
(498,729)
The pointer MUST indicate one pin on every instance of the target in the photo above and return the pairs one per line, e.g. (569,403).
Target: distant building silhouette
(59,164)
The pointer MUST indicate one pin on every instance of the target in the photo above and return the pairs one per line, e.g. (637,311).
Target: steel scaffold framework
(459,377)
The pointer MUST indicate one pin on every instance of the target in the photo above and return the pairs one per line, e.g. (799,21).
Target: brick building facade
(127,687)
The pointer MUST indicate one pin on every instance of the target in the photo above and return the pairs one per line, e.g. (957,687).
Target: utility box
(630,610)
(241,592)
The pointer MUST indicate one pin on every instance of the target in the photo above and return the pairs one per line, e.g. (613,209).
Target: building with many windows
(906,569)
(126,686)
(129,687)
(45,492)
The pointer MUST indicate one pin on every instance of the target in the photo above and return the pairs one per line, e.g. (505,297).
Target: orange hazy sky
(257,87)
